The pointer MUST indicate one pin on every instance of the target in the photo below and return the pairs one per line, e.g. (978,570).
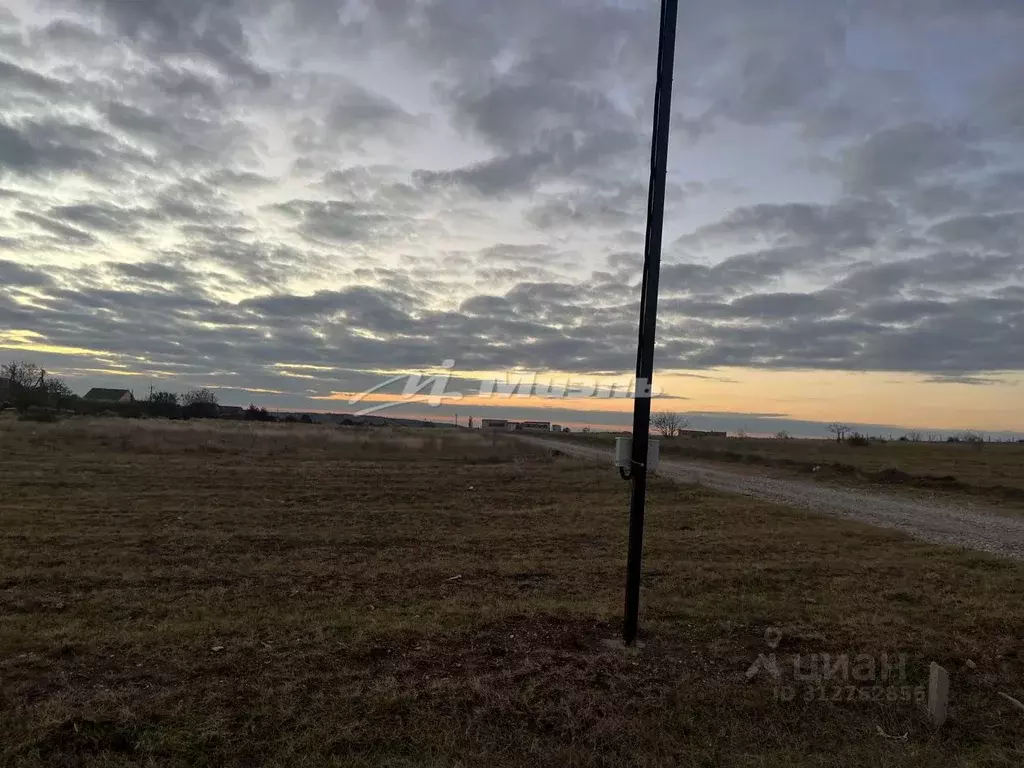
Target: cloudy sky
(290,202)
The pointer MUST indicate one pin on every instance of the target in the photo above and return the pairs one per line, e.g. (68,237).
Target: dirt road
(957,525)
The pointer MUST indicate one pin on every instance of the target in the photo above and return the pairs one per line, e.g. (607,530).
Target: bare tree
(205,396)
(913,436)
(839,430)
(163,405)
(200,404)
(57,392)
(22,374)
(31,386)
(669,423)
(782,435)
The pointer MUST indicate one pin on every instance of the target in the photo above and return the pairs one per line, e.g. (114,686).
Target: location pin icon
(773,636)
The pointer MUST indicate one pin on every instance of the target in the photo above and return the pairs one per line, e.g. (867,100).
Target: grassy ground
(178,594)
(991,472)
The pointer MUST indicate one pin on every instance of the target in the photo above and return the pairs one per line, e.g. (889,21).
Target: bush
(163,405)
(39,415)
(859,440)
(252,413)
(200,404)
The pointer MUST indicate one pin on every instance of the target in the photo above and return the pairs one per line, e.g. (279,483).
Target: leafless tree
(200,404)
(57,392)
(204,396)
(669,423)
(913,436)
(24,375)
(839,430)
(782,435)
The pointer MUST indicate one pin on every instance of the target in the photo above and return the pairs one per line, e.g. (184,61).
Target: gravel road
(957,525)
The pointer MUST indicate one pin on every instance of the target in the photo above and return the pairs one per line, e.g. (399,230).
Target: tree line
(34,393)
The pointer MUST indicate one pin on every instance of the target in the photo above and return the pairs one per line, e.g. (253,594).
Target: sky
(292,203)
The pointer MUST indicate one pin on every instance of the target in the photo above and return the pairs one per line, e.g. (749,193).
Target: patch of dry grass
(255,440)
(181,594)
(989,471)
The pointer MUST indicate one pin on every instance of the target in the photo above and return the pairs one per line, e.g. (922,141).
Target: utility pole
(649,314)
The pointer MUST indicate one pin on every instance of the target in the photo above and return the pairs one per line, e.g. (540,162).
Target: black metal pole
(649,314)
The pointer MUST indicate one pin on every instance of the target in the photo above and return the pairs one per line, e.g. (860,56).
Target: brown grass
(989,471)
(178,594)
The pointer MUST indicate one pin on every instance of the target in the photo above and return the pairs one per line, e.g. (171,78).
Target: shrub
(39,415)
(200,404)
(252,413)
(858,440)
(163,405)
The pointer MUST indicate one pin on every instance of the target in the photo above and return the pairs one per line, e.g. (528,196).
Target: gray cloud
(31,147)
(211,30)
(14,77)
(105,218)
(900,157)
(848,224)
(66,233)
(337,221)
(491,178)
(362,186)
(17,275)
(357,110)
(524,114)
(67,32)
(605,205)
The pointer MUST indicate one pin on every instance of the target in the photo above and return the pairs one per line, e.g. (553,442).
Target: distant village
(38,396)
(504,425)
(42,397)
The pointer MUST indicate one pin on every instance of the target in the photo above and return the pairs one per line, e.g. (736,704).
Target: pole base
(616,644)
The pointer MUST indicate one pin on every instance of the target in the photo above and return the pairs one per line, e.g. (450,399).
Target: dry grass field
(189,594)
(987,471)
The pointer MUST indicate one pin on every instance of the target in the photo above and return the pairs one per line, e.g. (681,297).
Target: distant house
(233,412)
(536,426)
(98,395)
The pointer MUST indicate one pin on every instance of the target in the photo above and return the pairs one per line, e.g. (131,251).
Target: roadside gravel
(956,525)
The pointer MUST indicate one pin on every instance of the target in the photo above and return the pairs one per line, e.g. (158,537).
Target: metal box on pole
(623,452)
